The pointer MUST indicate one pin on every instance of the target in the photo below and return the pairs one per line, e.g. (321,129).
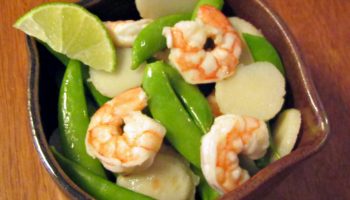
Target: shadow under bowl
(45,74)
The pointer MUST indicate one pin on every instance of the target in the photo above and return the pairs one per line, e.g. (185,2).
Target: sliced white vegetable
(285,132)
(169,178)
(112,83)
(154,9)
(243,26)
(256,90)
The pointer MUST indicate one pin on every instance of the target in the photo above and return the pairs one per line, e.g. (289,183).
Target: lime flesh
(71,30)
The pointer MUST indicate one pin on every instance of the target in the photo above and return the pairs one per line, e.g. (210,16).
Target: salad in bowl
(185,102)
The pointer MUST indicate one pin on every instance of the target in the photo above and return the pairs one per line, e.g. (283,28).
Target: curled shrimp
(229,136)
(131,148)
(125,32)
(205,50)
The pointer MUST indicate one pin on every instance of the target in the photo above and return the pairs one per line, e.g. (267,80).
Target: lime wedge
(71,30)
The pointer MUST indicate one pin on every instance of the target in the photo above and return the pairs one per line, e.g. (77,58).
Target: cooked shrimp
(132,148)
(125,32)
(205,50)
(229,136)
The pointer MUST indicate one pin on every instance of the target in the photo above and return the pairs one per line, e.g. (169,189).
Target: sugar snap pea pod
(159,73)
(271,152)
(150,40)
(73,118)
(182,132)
(267,159)
(205,191)
(248,164)
(216,3)
(262,50)
(194,101)
(96,186)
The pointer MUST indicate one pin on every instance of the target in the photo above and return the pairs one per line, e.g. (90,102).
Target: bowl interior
(46,74)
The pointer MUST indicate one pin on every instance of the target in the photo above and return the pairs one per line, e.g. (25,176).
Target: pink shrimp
(229,136)
(124,32)
(188,41)
(132,148)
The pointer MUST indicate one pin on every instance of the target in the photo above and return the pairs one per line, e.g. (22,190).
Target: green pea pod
(192,98)
(165,107)
(150,40)
(205,191)
(246,163)
(262,50)
(161,73)
(199,109)
(73,118)
(96,186)
(216,3)
(271,152)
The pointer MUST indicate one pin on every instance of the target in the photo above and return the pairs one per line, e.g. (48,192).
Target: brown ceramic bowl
(44,84)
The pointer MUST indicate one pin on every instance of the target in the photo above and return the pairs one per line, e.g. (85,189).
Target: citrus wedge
(71,30)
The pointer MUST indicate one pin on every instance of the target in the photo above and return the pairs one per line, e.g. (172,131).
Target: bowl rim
(73,191)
